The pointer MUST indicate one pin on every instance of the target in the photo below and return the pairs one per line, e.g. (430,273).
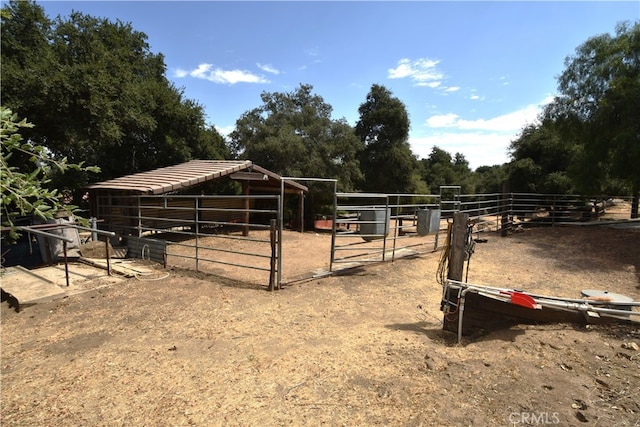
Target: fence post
(272,273)
(245,217)
(458,243)
(504,223)
(197,230)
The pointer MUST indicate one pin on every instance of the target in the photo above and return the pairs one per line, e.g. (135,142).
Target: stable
(195,195)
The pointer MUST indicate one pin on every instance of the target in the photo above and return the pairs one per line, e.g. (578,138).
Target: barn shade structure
(109,198)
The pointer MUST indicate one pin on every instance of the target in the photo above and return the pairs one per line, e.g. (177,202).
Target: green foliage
(24,182)
(597,109)
(541,160)
(388,164)
(440,168)
(491,179)
(97,94)
(293,134)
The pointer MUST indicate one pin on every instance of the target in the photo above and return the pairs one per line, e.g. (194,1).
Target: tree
(440,168)
(24,183)
(541,160)
(293,134)
(597,108)
(96,93)
(490,179)
(387,161)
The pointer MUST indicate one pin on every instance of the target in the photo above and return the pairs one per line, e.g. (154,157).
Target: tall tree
(440,168)
(387,161)
(96,93)
(597,107)
(293,134)
(541,160)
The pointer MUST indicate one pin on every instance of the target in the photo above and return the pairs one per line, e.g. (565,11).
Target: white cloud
(218,75)
(180,73)
(268,68)
(226,130)
(479,149)
(452,89)
(510,122)
(422,71)
(482,141)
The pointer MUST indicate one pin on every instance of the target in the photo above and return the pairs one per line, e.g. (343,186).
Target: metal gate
(382,227)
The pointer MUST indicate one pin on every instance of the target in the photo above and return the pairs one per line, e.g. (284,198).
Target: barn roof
(185,175)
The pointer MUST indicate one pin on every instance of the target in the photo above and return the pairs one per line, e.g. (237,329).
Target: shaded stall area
(191,215)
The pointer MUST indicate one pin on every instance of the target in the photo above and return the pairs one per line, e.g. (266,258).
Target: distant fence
(380,227)
(511,210)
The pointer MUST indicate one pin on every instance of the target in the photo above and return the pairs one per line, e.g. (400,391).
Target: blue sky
(471,74)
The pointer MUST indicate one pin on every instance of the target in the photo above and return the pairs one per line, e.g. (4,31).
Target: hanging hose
(469,249)
(441,273)
(148,253)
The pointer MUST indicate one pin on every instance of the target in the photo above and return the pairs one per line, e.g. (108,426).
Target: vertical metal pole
(66,264)
(273,239)
(139,217)
(93,222)
(197,213)
(107,255)
(280,222)
(387,220)
(246,190)
(333,227)
(301,210)
(396,230)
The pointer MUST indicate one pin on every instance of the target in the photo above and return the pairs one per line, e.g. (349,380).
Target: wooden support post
(245,227)
(273,235)
(301,210)
(458,242)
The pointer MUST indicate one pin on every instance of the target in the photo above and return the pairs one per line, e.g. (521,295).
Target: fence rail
(202,232)
(209,233)
(378,227)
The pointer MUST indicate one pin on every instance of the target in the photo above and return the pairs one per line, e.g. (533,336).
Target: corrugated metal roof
(180,177)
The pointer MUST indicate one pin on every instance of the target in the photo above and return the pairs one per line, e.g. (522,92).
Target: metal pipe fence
(222,234)
(378,227)
(207,233)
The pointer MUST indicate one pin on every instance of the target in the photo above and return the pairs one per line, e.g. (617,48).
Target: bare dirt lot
(365,348)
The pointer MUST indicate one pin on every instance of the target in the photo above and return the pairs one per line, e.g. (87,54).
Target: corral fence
(381,227)
(510,211)
(231,235)
(200,231)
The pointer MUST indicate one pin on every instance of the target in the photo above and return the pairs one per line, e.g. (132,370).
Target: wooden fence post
(272,275)
(458,243)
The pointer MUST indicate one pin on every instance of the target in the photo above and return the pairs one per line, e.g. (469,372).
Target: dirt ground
(364,348)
